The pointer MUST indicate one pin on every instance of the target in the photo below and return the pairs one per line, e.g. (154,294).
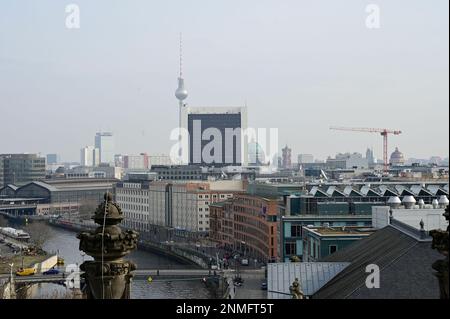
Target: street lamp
(245,247)
(217,260)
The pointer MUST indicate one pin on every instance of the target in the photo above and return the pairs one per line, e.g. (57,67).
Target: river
(65,243)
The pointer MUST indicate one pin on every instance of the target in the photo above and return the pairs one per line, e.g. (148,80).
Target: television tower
(181,93)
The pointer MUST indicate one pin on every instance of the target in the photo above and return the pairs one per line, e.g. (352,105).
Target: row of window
(141,200)
(126,206)
(180,177)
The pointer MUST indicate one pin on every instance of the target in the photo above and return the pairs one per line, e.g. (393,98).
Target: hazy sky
(301,66)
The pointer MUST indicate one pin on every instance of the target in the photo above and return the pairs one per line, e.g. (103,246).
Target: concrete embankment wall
(72,227)
(177,253)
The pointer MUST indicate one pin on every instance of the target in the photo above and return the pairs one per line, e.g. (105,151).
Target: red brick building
(247,224)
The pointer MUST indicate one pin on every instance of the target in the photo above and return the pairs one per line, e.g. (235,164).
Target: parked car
(26,272)
(264,285)
(244,262)
(52,271)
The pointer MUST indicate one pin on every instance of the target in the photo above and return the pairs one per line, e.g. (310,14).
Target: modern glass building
(19,169)
(292,241)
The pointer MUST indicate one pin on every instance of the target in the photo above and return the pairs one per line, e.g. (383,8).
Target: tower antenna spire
(181,55)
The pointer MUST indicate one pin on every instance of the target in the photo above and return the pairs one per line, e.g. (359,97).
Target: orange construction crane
(383,131)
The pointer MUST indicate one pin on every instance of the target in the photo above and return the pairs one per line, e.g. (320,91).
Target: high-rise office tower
(104,141)
(216,135)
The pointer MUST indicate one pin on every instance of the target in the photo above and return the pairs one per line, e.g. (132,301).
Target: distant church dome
(397,158)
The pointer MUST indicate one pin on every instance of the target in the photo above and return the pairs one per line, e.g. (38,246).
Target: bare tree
(87,208)
(39,233)
(3,221)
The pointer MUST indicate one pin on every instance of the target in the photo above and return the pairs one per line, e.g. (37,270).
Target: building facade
(177,172)
(216,135)
(159,160)
(19,169)
(137,162)
(320,242)
(348,161)
(54,197)
(248,224)
(67,190)
(195,172)
(90,156)
(182,207)
(291,234)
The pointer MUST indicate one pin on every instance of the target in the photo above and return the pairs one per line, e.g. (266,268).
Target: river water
(65,243)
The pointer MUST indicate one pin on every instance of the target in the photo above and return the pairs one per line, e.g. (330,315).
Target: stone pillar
(108,276)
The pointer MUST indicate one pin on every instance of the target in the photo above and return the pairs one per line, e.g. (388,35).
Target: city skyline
(224,151)
(377,157)
(310,77)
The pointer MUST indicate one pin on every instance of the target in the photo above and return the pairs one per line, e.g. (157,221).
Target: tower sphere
(181,92)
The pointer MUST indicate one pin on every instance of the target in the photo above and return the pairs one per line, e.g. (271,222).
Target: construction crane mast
(383,131)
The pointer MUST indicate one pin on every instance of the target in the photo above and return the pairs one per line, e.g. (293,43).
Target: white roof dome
(409,199)
(443,200)
(394,200)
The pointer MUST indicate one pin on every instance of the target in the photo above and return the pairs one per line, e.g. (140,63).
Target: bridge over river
(141,274)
